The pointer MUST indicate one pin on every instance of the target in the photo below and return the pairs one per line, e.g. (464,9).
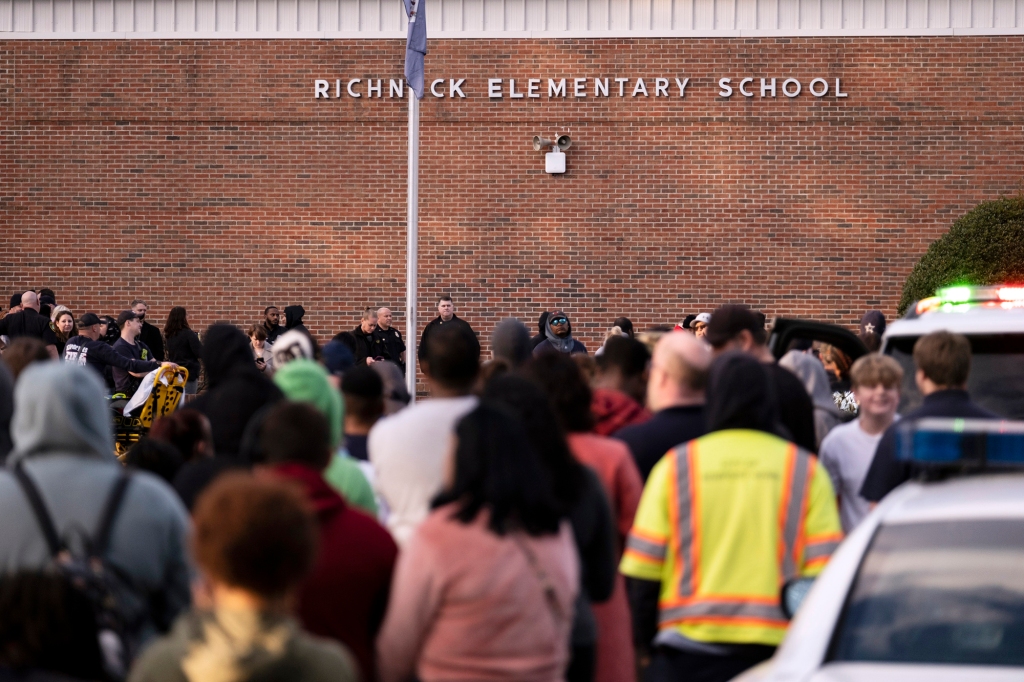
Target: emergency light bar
(961,443)
(950,298)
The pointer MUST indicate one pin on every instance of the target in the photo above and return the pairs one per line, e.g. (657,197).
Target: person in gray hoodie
(64,442)
(812,373)
(6,409)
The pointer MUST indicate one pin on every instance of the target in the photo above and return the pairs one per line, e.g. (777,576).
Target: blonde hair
(875,369)
(57,310)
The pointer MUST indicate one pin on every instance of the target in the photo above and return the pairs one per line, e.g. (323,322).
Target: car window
(996,381)
(938,592)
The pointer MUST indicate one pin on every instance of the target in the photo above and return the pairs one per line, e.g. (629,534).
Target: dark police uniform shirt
(395,345)
(82,350)
(887,472)
(123,381)
(28,323)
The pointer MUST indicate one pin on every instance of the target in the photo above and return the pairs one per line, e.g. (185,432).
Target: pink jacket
(467,605)
(614,465)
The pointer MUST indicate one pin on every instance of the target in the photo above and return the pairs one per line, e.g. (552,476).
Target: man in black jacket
(943,364)
(445,316)
(28,322)
(737,327)
(272,324)
(88,349)
(370,344)
(150,335)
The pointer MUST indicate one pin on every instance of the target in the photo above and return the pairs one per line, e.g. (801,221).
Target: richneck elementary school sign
(552,88)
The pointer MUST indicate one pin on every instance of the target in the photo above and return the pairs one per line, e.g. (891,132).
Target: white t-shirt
(846,453)
(409,451)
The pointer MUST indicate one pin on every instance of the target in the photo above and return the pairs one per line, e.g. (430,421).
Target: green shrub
(985,246)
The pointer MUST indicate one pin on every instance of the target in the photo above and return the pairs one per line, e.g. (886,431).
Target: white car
(992,319)
(930,586)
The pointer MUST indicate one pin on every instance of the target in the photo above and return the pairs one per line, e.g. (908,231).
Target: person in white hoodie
(64,444)
(410,450)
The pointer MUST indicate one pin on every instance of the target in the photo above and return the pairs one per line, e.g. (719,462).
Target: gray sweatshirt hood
(812,373)
(60,408)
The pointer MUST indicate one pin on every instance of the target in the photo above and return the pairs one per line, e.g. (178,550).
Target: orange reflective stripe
(822,546)
(705,608)
(691,462)
(724,620)
(647,559)
(793,512)
(682,516)
(642,547)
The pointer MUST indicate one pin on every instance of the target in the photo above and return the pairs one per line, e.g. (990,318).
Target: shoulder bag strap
(102,538)
(35,501)
(550,594)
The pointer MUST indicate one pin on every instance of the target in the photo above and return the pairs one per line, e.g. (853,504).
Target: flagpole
(412,230)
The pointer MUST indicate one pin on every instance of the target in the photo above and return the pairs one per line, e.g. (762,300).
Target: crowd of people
(543,514)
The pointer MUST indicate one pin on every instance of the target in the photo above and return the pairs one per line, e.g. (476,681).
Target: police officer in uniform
(392,338)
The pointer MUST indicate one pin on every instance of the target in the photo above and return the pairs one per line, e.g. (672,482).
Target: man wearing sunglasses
(558,333)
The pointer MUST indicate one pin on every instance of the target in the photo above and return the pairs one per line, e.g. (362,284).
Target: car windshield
(938,592)
(996,381)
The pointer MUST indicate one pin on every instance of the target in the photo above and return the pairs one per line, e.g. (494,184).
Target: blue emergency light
(961,443)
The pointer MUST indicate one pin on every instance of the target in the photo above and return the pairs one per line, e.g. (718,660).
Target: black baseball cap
(89,319)
(15,300)
(873,322)
(729,320)
(125,316)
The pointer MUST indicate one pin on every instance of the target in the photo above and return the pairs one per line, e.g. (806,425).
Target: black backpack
(117,606)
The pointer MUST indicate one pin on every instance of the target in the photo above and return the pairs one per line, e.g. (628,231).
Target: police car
(992,319)
(930,586)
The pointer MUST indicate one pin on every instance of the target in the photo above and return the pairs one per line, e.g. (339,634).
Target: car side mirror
(793,594)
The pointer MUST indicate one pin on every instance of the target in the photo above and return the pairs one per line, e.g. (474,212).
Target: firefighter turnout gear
(724,521)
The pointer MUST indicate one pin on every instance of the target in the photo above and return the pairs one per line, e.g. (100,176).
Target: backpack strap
(35,501)
(102,538)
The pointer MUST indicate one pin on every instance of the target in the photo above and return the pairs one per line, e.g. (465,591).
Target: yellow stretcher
(166,391)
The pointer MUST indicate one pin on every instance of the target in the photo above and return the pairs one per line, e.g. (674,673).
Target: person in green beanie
(305,381)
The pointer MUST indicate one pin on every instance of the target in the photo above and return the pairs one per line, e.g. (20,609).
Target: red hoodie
(614,409)
(345,596)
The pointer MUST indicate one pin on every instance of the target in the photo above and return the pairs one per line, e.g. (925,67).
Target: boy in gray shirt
(847,451)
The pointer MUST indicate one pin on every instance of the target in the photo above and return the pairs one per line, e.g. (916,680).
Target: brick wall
(205,174)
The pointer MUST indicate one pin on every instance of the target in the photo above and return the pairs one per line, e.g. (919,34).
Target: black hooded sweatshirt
(293,318)
(237,389)
(740,395)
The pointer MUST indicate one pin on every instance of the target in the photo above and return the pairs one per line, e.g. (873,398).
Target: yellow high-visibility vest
(724,521)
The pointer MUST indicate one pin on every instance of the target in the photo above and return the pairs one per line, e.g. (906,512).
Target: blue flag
(415,45)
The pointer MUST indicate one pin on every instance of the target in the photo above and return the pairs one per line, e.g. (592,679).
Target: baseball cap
(685,324)
(15,300)
(88,320)
(729,320)
(873,322)
(125,316)
(702,317)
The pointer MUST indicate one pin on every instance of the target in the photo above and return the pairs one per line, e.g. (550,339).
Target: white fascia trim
(517,35)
